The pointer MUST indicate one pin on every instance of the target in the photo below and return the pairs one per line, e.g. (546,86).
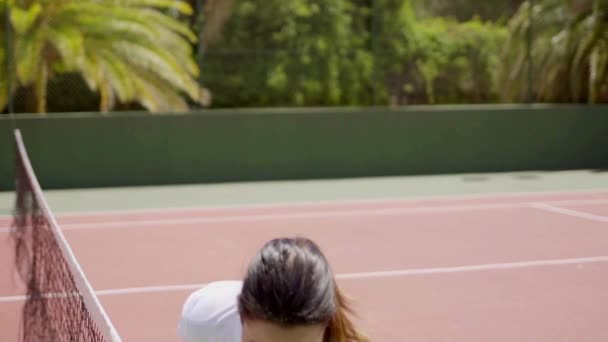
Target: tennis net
(60,303)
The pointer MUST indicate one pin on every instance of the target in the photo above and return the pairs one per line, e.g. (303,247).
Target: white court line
(569,212)
(321,203)
(474,268)
(366,275)
(129,224)
(279,217)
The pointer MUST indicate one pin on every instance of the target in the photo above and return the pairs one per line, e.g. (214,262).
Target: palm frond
(181,6)
(157,96)
(69,42)
(110,43)
(564,42)
(159,62)
(28,51)
(118,75)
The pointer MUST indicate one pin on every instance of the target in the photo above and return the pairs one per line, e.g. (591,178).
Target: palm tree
(569,52)
(127,50)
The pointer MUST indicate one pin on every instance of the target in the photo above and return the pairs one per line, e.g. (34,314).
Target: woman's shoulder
(217,291)
(212,311)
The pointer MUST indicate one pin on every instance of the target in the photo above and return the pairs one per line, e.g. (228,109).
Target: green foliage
(394,39)
(455,62)
(342,52)
(298,52)
(569,52)
(3,56)
(463,10)
(126,50)
(310,52)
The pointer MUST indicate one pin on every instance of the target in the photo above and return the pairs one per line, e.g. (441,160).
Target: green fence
(89,150)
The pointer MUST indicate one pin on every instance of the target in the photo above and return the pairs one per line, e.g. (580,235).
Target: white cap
(211,314)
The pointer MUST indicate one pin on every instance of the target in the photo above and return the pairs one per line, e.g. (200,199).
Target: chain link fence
(273,53)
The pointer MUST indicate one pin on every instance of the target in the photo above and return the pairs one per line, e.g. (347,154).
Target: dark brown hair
(289,282)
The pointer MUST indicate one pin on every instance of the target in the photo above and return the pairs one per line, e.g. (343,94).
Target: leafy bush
(297,52)
(449,62)
(342,52)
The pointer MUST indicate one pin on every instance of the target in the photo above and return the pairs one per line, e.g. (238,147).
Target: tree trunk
(578,7)
(216,13)
(595,81)
(107,98)
(41,89)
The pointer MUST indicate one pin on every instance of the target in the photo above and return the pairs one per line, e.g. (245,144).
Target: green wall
(90,150)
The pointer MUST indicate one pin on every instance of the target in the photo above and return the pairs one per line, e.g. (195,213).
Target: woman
(288,294)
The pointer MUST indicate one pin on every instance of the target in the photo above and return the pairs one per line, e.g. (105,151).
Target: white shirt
(211,314)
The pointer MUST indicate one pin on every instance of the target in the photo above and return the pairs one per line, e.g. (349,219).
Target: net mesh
(60,304)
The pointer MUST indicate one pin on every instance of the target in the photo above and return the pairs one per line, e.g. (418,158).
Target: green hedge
(89,150)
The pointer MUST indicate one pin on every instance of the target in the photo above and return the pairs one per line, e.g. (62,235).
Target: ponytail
(290,283)
(341,328)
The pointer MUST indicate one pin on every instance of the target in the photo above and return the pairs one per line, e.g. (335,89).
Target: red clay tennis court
(510,267)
